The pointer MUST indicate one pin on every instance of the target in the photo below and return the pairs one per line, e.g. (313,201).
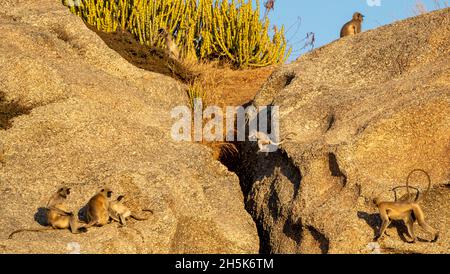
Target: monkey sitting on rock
(97,211)
(100,211)
(353,27)
(171,46)
(56,216)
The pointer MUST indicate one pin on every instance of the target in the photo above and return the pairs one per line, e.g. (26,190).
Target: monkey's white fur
(264,141)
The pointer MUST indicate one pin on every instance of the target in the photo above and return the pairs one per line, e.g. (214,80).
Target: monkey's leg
(123,220)
(113,216)
(430,230)
(114,219)
(61,212)
(386,223)
(262,147)
(410,226)
(92,222)
(420,216)
(75,228)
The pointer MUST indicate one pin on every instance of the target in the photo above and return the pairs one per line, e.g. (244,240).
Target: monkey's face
(107,192)
(358,17)
(64,192)
(162,32)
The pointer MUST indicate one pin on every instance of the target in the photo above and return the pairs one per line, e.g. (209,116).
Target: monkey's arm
(60,211)
(113,215)
(123,220)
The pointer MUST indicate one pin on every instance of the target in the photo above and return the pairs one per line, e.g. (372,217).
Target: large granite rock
(86,118)
(366,111)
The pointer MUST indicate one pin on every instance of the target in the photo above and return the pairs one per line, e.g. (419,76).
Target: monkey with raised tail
(57,216)
(354,26)
(407,210)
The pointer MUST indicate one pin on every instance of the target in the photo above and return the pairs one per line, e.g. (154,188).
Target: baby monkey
(56,216)
(264,140)
(405,209)
(120,212)
(353,27)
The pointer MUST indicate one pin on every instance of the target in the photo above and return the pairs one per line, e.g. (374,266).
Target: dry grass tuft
(221,85)
(226,86)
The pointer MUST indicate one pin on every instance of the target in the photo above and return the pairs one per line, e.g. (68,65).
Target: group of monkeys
(99,212)
(352,27)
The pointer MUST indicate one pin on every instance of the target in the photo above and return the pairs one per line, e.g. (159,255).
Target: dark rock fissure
(335,169)
(321,239)
(331,122)
(251,167)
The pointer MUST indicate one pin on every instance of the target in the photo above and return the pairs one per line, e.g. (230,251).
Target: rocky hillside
(366,111)
(73,112)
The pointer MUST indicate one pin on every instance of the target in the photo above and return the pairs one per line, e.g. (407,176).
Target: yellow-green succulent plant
(230,30)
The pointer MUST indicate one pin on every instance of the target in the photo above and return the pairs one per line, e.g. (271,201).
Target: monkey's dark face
(358,17)
(107,192)
(64,192)
(162,32)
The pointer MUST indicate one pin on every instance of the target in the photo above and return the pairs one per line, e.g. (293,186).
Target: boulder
(75,113)
(366,111)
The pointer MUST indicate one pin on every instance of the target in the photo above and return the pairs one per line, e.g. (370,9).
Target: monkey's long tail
(286,138)
(137,218)
(408,195)
(429,183)
(29,230)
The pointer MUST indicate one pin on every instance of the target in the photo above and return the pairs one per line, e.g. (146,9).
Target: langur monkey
(353,27)
(264,140)
(407,210)
(120,212)
(171,46)
(97,212)
(57,216)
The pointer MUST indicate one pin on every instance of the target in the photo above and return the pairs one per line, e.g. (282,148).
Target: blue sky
(326,17)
